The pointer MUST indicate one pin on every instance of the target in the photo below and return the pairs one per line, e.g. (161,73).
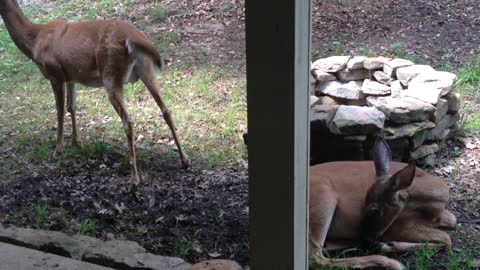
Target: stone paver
(20,258)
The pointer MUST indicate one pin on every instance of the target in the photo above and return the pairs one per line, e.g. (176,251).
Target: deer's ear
(403,178)
(381,156)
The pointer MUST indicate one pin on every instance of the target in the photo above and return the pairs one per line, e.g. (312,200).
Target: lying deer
(98,53)
(392,205)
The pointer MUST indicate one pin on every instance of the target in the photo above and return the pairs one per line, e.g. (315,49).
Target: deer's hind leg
(146,71)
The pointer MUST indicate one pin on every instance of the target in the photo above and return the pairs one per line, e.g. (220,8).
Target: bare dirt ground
(205,211)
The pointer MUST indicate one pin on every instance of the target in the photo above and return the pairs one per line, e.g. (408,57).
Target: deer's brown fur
(99,53)
(394,205)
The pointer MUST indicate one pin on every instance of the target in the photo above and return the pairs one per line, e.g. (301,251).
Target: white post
(278,70)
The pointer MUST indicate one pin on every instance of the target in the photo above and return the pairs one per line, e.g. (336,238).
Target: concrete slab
(20,258)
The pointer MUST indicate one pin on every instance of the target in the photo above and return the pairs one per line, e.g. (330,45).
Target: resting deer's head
(387,197)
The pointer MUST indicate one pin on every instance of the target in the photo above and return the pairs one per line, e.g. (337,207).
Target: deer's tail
(145,47)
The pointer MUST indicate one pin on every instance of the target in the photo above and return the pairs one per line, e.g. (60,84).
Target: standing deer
(99,53)
(391,205)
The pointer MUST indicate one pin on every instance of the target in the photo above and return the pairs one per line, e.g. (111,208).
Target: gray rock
(322,76)
(217,265)
(374,63)
(20,258)
(350,90)
(347,75)
(323,114)
(360,138)
(116,254)
(453,100)
(382,77)
(437,133)
(313,100)
(441,110)
(406,74)
(390,68)
(402,110)
(418,139)
(445,81)
(373,88)
(332,101)
(396,88)
(424,92)
(407,130)
(354,120)
(1,227)
(424,151)
(356,62)
(331,64)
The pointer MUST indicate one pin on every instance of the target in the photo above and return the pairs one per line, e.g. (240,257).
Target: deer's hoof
(133,187)
(58,151)
(186,163)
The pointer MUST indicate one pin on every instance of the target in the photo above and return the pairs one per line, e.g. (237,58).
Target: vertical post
(278,70)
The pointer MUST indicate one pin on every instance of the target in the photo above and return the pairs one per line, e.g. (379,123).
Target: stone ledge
(125,255)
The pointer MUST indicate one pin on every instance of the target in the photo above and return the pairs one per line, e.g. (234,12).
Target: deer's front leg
(71,108)
(58,88)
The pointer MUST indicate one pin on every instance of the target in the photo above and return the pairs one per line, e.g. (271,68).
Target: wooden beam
(278,68)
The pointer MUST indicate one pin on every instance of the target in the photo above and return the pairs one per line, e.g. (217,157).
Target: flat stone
(418,139)
(406,74)
(347,75)
(20,258)
(313,100)
(374,63)
(382,77)
(407,130)
(321,76)
(217,265)
(360,138)
(373,88)
(445,81)
(441,110)
(424,92)
(437,133)
(425,150)
(390,68)
(453,100)
(350,90)
(402,110)
(115,253)
(356,102)
(332,101)
(356,62)
(323,114)
(331,64)
(396,88)
(355,120)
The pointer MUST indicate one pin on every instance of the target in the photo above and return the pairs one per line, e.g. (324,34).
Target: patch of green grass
(468,77)
(88,227)
(424,258)
(38,215)
(338,47)
(159,13)
(460,260)
(366,52)
(187,244)
(398,50)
